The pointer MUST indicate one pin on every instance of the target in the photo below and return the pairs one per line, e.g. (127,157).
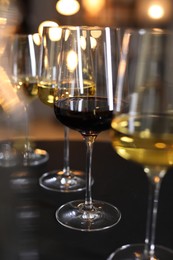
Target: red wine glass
(84,101)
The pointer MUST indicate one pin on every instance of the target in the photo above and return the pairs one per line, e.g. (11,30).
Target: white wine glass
(84,102)
(61,180)
(23,59)
(143,123)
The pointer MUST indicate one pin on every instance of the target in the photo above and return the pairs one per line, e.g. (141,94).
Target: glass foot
(57,181)
(76,216)
(136,252)
(35,157)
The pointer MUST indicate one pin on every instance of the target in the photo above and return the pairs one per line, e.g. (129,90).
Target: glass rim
(80,27)
(154,31)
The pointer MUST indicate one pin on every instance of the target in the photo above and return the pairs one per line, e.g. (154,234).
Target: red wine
(88,115)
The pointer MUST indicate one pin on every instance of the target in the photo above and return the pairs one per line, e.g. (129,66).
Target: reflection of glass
(65,180)
(8,153)
(27,214)
(143,124)
(24,68)
(84,102)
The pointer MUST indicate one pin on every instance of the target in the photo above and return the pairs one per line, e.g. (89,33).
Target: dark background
(121,13)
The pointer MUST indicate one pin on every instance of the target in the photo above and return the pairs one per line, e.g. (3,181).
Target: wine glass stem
(154,190)
(66,168)
(88,197)
(26,144)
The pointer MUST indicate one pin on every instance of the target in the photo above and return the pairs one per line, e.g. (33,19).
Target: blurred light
(142,31)
(145,133)
(96,33)
(83,42)
(126,139)
(72,60)
(156,11)
(3,21)
(67,34)
(160,145)
(9,100)
(153,11)
(55,33)
(156,179)
(45,23)
(93,7)
(93,42)
(158,30)
(10,16)
(36,38)
(67,7)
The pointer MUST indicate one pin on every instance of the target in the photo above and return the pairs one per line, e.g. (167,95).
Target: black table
(29,230)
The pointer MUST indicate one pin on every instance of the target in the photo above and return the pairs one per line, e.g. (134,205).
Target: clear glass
(143,123)
(8,154)
(64,180)
(23,62)
(84,102)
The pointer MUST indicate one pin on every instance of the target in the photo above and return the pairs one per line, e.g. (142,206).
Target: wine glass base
(35,157)
(56,181)
(136,252)
(101,216)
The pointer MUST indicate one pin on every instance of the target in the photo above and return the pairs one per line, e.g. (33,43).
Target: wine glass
(23,60)
(65,180)
(84,102)
(8,154)
(143,122)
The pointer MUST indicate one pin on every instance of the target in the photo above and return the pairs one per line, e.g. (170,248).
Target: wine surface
(46,91)
(69,88)
(147,140)
(88,115)
(26,87)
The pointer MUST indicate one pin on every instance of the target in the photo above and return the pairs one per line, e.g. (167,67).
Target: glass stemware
(8,154)
(65,180)
(24,75)
(84,102)
(143,122)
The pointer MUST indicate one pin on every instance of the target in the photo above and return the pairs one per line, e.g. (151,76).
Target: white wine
(147,140)
(46,91)
(26,87)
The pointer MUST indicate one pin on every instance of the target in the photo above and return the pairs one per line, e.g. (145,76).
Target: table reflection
(29,230)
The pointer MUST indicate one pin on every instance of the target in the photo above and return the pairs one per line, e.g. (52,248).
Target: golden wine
(26,87)
(147,140)
(46,91)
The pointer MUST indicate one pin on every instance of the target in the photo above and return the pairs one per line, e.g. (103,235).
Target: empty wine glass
(143,123)
(23,59)
(84,102)
(65,180)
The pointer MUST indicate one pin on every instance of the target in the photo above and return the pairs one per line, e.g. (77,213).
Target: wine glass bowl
(84,102)
(143,122)
(65,180)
